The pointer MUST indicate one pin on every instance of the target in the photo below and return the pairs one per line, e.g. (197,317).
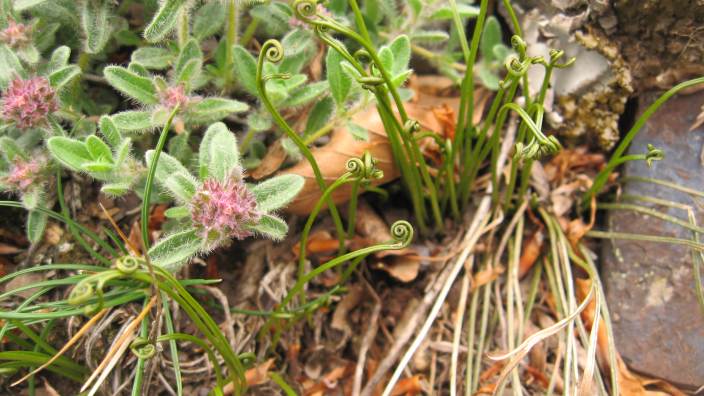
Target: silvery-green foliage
(493,52)
(395,57)
(108,161)
(218,159)
(157,96)
(95,22)
(164,21)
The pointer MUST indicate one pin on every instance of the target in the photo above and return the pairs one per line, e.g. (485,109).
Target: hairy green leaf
(177,212)
(320,114)
(36,223)
(59,58)
(214,109)
(340,81)
(59,78)
(430,36)
(164,20)
(69,152)
(245,69)
(189,62)
(401,48)
(131,84)
(95,24)
(491,36)
(115,189)
(218,154)
(306,94)
(276,192)
(133,120)
(98,149)
(109,130)
(271,227)
(171,174)
(10,66)
(155,58)
(172,251)
(208,20)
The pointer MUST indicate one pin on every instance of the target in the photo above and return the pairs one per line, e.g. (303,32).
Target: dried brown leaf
(275,156)
(403,268)
(408,386)
(531,252)
(486,275)
(333,157)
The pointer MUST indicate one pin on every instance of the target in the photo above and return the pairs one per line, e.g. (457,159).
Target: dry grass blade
(520,352)
(87,326)
(120,344)
(129,335)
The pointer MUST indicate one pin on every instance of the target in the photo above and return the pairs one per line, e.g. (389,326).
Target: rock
(650,287)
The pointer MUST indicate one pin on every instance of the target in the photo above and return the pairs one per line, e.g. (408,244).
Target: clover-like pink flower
(25,174)
(29,102)
(15,34)
(173,96)
(221,211)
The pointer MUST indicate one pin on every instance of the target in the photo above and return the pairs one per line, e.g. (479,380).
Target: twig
(373,327)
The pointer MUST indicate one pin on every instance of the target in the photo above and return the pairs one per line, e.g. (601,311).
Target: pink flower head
(25,174)
(173,96)
(15,34)
(29,102)
(222,211)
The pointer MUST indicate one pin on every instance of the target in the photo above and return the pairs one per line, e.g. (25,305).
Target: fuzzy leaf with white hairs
(276,192)
(60,77)
(189,64)
(172,251)
(95,24)
(131,84)
(98,149)
(208,20)
(189,73)
(155,58)
(10,149)
(115,189)
(36,223)
(246,67)
(110,131)
(306,94)
(70,153)
(171,174)
(218,153)
(10,66)
(340,81)
(271,227)
(59,58)
(133,120)
(214,109)
(164,20)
